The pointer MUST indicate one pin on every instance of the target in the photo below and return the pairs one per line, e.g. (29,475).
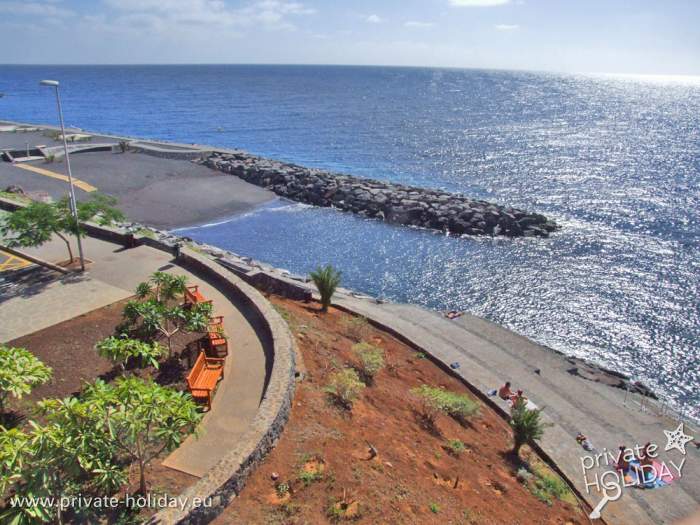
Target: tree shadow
(28,282)
(171,371)
(11,419)
(427,423)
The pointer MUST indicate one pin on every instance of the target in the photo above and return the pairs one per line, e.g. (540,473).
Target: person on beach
(623,465)
(453,314)
(518,397)
(505,393)
(645,469)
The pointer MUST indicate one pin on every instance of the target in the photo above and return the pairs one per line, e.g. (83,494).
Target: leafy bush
(527,425)
(282,489)
(345,386)
(438,400)
(327,280)
(456,447)
(20,371)
(434,508)
(121,349)
(371,359)
(356,328)
(307,477)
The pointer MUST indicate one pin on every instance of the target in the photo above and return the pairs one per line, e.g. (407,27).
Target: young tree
(143,419)
(20,371)
(35,224)
(158,311)
(163,287)
(121,349)
(527,425)
(327,280)
(152,318)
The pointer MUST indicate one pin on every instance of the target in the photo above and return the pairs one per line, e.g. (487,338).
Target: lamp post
(73,205)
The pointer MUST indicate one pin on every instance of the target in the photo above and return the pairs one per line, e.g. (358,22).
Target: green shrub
(434,508)
(307,477)
(371,359)
(345,386)
(20,371)
(282,489)
(456,447)
(356,328)
(438,400)
(122,349)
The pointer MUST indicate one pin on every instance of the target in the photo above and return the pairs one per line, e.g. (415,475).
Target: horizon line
(397,66)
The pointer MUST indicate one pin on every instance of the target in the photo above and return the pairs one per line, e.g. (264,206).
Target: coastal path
(487,355)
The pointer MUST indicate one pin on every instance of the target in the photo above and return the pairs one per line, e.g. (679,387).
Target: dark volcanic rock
(395,203)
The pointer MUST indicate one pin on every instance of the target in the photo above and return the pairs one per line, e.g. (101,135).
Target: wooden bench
(216,338)
(205,374)
(194,296)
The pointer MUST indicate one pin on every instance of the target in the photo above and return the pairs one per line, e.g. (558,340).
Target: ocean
(614,160)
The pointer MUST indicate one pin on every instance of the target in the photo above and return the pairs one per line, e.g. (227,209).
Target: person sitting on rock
(505,393)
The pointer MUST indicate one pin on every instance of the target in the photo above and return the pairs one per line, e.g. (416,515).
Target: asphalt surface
(159,192)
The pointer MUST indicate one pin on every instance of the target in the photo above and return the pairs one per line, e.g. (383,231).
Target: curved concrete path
(114,275)
(488,355)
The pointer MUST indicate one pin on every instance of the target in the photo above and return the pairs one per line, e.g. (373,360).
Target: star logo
(677,439)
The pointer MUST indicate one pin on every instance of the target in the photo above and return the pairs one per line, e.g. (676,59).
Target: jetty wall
(394,203)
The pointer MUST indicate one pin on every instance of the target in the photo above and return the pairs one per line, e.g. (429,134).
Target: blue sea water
(616,161)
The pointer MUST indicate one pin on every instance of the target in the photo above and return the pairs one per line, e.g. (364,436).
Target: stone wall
(394,203)
(221,484)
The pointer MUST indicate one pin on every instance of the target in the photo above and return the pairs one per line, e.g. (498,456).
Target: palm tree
(527,425)
(326,280)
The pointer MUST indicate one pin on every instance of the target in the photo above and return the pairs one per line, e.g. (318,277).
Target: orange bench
(194,296)
(205,374)
(218,343)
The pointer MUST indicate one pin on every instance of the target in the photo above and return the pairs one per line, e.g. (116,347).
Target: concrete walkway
(114,275)
(488,355)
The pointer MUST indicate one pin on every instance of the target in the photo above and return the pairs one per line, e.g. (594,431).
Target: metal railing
(686,413)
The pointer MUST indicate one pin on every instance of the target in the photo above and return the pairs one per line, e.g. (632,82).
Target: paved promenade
(114,275)
(488,355)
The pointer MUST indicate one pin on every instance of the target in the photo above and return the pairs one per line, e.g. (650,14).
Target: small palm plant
(327,280)
(527,425)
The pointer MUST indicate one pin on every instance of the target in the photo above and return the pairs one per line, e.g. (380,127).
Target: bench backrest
(196,369)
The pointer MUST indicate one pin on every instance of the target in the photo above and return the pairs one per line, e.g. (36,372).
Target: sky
(657,37)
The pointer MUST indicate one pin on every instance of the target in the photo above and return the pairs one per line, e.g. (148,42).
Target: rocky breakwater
(394,203)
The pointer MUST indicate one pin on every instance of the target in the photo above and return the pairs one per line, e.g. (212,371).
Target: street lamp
(73,205)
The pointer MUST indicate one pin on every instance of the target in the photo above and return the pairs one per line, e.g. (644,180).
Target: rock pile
(394,203)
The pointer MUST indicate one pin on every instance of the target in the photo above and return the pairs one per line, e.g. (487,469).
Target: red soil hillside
(322,472)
